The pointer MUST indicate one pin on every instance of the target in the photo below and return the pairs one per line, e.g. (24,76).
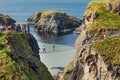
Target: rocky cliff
(113,6)
(56,22)
(6,20)
(34,45)
(18,60)
(97,57)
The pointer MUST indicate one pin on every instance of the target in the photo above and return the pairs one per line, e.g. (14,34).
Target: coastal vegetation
(50,12)
(17,60)
(105,19)
(47,14)
(109,49)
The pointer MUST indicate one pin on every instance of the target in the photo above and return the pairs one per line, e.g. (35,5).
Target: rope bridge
(47,49)
(52,50)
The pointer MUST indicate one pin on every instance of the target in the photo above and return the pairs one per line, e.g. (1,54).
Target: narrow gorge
(97,55)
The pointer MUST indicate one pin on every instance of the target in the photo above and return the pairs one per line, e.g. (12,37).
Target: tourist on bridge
(44,49)
(54,47)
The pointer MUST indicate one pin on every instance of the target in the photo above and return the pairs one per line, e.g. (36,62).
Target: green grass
(109,49)
(5,60)
(9,68)
(36,15)
(12,67)
(47,14)
(105,19)
(50,12)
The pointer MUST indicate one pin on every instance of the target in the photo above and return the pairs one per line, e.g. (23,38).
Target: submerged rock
(56,22)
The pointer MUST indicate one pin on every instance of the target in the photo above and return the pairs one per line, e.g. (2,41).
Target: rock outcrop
(113,7)
(17,59)
(88,65)
(95,58)
(56,22)
(6,20)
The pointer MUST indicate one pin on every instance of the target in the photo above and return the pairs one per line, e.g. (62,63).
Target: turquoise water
(64,51)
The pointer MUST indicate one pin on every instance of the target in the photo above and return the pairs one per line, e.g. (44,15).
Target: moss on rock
(109,49)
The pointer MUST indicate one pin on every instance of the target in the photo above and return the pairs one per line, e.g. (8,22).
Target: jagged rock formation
(17,59)
(95,58)
(6,20)
(56,22)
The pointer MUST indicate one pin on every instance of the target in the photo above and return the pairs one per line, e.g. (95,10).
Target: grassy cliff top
(109,49)
(17,60)
(105,19)
(50,12)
